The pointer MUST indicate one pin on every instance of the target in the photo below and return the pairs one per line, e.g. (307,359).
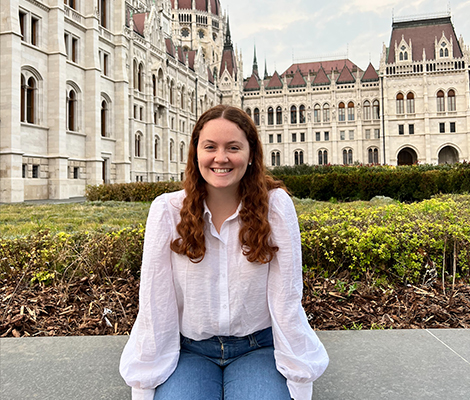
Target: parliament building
(109,91)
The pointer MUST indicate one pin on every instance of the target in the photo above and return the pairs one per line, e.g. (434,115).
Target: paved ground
(364,365)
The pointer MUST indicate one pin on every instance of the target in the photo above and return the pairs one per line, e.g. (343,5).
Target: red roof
(321,78)
(328,66)
(181,56)
(345,76)
(191,58)
(275,82)
(139,22)
(210,77)
(423,34)
(298,80)
(170,47)
(252,83)
(228,62)
(370,74)
(201,5)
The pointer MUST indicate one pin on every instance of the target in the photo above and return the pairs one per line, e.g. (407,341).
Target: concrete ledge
(364,365)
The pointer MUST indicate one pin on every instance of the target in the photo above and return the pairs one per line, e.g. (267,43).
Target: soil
(93,306)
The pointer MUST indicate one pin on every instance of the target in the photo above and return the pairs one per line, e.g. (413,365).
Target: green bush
(363,182)
(134,191)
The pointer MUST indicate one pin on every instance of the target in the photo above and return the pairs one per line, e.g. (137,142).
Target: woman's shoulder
(278,196)
(171,201)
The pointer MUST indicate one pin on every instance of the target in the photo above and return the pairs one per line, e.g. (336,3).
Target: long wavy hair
(253,191)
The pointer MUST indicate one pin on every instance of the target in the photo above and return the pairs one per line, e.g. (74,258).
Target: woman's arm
(300,356)
(152,351)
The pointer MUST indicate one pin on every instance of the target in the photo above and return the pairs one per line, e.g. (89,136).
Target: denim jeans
(226,368)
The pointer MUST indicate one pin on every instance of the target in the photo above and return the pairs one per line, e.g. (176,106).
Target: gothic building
(109,91)
(415,108)
(106,91)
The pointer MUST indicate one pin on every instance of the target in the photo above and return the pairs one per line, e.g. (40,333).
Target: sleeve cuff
(298,391)
(143,394)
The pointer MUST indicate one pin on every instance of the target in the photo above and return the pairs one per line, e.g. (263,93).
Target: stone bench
(364,365)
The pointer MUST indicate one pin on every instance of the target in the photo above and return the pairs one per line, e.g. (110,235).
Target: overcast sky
(312,30)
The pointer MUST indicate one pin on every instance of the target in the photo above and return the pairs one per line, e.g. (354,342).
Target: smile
(221,171)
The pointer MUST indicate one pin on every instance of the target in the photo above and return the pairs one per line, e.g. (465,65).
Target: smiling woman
(220,314)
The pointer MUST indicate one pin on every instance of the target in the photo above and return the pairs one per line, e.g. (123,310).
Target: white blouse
(223,295)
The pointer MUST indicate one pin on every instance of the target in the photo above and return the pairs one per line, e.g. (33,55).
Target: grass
(18,220)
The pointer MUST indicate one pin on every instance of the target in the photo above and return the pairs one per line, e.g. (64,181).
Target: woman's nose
(221,156)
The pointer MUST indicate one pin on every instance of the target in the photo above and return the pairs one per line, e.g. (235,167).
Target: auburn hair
(255,230)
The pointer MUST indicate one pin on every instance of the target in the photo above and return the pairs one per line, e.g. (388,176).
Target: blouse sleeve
(299,354)
(152,351)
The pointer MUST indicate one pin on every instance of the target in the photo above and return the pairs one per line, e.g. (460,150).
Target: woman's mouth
(221,170)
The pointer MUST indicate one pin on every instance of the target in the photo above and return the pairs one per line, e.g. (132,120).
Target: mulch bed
(92,306)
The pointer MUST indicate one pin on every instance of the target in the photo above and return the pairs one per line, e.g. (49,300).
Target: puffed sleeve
(152,351)
(299,354)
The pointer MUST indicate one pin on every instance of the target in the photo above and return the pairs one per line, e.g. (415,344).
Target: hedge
(360,182)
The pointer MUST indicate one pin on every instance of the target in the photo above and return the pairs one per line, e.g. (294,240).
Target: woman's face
(223,154)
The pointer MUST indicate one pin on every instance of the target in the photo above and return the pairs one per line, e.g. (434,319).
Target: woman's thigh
(254,377)
(195,378)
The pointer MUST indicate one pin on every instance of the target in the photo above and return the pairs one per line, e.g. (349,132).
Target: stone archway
(448,155)
(407,156)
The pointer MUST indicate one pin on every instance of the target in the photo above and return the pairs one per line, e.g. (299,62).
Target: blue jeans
(226,368)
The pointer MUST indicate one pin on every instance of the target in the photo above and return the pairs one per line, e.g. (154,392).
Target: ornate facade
(109,91)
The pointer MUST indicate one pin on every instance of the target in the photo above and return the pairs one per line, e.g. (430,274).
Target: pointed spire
(255,64)
(265,69)
(228,37)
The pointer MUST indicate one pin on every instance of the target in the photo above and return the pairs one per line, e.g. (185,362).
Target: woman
(220,313)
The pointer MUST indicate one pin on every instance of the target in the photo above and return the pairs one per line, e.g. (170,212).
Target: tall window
(347,157)
(181,152)
(275,158)
(104,117)
(270,116)
(293,115)
(440,101)
(154,85)
(70,3)
(140,78)
(326,113)
(373,156)
(248,111)
(299,157)
(341,112)
(410,103)
(400,104)
(375,110)
(322,157)
(350,111)
(279,115)
(103,13)
(23,99)
(451,100)
(366,109)
(256,116)
(156,146)
(71,110)
(30,97)
(138,145)
(172,150)
(316,113)
(302,114)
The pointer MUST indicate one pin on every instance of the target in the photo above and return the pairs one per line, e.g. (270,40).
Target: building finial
(255,63)
(265,69)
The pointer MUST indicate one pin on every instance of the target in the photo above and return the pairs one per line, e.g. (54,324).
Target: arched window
(350,156)
(347,157)
(322,157)
(400,104)
(172,150)
(103,13)
(373,156)
(135,74)
(270,116)
(441,53)
(401,56)
(154,85)
(256,116)
(156,148)
(451,100)
(279,115)
(71,110)
(316,113)
(293,115)
(326,112)
(341,112)
(440,101)
(104,118)
(182,152)
(248,111)
(302,114)
(171,92)
(275,158)
(160,84)
(410,103)
(182,99)
(406,55)
(138,145)
(366,109)
(31,101)
(140,78)
(446,52)
(350,111)
(375,110)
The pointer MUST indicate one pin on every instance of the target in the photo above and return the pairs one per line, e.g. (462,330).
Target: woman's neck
(222,204)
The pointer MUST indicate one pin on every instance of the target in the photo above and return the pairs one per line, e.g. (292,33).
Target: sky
(312,30)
